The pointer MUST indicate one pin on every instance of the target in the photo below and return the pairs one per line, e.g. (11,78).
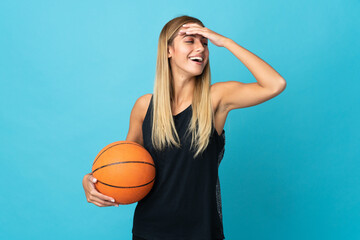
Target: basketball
(124,171)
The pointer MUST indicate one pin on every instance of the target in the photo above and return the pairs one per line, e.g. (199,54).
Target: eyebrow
(192,35)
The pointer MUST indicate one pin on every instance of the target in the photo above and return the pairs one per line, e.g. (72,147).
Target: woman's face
(184,47)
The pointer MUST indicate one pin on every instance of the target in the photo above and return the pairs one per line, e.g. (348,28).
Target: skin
(225,96)
(185,70)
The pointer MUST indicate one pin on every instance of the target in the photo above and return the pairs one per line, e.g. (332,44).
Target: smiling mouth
(197,61)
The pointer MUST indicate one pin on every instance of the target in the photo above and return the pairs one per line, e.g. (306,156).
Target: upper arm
(137,116)
(235,94)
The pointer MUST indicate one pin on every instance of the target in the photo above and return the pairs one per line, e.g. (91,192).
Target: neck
(183,90)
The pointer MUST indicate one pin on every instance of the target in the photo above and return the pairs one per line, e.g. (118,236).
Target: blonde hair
(163,127)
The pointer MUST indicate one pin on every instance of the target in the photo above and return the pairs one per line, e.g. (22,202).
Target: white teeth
(198,58)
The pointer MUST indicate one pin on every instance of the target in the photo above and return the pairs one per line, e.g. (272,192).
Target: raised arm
(236,94)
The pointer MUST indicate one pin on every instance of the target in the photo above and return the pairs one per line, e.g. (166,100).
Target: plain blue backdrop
(71,71)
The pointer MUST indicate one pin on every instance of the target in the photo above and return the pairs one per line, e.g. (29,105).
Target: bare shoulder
(137,117)
(142,104)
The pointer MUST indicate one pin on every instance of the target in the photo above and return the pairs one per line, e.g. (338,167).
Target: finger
(102,203)
(189,31)
(199,32)
(92,179)
(105,200)
(194,29)
(187,28)
(102,197)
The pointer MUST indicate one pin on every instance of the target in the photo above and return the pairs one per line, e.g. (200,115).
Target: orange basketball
(124,171)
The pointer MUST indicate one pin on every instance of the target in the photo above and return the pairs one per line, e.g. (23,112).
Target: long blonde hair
(163,127)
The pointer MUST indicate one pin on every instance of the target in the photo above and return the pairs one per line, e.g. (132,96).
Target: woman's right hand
(95,197)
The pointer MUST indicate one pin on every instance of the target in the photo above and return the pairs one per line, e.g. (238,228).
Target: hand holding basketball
(125,171)
(93,196)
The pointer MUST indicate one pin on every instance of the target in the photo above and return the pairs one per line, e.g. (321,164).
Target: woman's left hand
(194,28)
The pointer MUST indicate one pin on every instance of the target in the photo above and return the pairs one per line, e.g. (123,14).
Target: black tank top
(185,201)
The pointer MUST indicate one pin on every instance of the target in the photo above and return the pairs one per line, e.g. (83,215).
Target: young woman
(181,125)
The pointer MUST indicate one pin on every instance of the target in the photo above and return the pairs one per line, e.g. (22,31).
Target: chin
(195,74)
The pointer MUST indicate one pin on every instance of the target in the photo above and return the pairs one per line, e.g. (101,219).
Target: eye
(193,41)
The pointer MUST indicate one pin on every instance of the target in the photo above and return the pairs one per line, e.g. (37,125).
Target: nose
(199,46)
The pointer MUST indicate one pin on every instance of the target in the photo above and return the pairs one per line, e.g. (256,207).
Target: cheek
(183,55)
(185,50)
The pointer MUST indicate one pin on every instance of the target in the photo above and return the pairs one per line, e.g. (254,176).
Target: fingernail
(184,25)
(94,180)
(112,200)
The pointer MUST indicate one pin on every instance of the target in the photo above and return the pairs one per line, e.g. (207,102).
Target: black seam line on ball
(121,163)
(136,144)
(127,187)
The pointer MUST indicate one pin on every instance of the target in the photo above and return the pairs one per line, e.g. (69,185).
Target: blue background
(71,71)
